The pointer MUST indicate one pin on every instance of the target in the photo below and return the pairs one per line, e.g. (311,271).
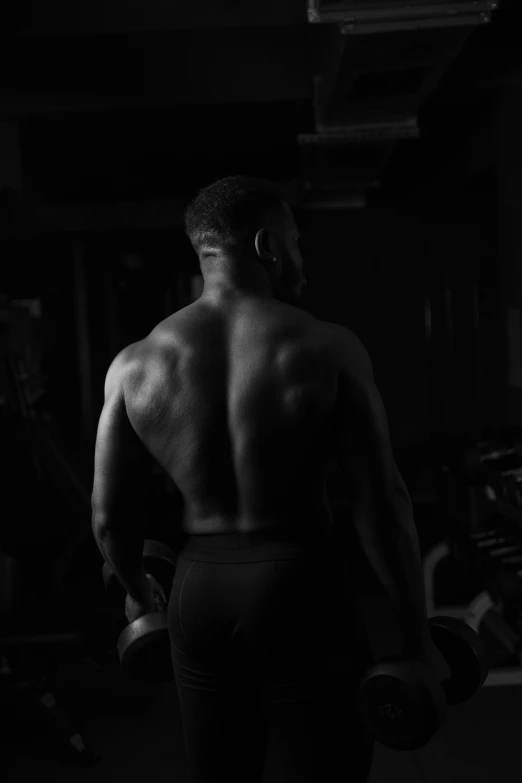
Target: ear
(263,249)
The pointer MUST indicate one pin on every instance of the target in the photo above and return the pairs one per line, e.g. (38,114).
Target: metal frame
(391,129)
(481,611)
(382,17)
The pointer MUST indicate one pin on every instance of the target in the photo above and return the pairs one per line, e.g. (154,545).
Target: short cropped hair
(230,211)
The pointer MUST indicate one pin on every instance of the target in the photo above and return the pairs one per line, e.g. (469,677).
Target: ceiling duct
(363,147)
(391,16)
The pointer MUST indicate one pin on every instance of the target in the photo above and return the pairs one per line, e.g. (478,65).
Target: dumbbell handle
(160,598)
(158,558)
(487,542)
(504,550)
(497,453)
(161,606)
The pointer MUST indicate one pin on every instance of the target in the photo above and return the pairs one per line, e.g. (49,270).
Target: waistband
(247,547)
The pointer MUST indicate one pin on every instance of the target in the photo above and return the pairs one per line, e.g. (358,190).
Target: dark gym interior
(395,127)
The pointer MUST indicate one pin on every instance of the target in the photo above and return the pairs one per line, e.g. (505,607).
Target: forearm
(122,548)
(391,545)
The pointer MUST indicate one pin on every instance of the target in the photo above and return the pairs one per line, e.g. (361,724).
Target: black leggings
(264,644)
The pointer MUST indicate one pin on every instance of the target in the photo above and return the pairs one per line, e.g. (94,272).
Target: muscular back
(237,406)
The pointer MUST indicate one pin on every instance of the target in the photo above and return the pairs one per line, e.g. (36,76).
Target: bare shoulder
(129,365)
(348,350)
(118,369)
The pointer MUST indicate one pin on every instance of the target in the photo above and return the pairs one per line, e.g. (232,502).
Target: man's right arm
(382,511)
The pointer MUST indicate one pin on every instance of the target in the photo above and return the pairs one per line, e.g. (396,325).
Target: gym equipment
(144,648)
(493,609)
(404,704)
(159,561)
(497,453)
(504,485)
(501,555)
(460,566)
(496,466)
(29,697)
(143,645)
(485,614)
(506,587)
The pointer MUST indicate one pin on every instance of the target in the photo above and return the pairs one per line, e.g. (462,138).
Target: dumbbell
(143,645)
(404,704)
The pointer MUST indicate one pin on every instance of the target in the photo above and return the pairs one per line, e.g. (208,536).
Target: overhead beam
(375,17)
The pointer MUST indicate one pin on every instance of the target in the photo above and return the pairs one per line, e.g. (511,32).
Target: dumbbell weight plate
(402,704)
(144,649)
(465,653)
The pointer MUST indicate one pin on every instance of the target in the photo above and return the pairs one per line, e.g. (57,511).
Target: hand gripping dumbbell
(158,560)
(404,704)
(143,645)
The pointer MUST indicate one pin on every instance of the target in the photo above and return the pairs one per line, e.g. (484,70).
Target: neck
(224,279)
(226,290)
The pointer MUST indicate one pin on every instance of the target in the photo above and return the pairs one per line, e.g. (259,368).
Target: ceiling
(125,108)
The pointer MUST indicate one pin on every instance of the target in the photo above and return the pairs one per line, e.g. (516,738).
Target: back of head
(228,213)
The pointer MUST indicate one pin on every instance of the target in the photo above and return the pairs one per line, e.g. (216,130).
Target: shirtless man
(245,399)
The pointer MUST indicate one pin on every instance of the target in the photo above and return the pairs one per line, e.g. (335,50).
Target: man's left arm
(361,360)
(117,498)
